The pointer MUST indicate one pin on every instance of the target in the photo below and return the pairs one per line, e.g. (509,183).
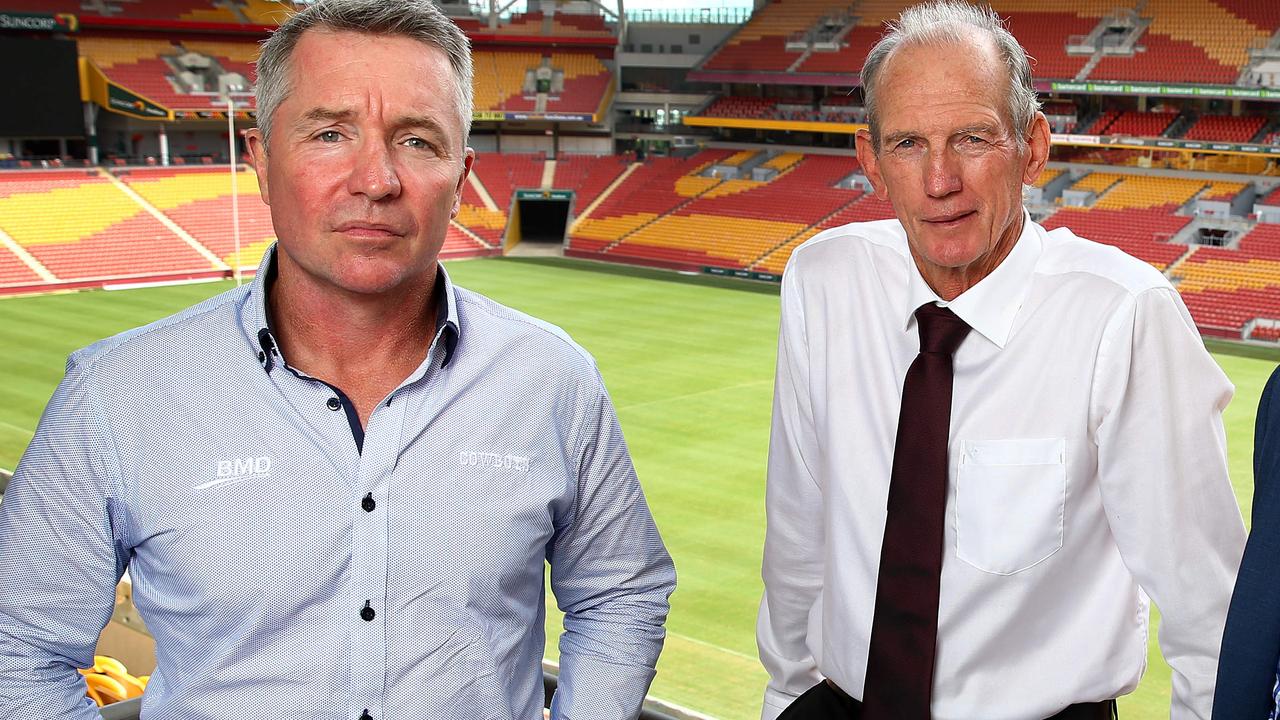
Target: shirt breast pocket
(1010,496)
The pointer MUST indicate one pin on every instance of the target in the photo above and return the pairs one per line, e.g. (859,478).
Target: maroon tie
(904,631)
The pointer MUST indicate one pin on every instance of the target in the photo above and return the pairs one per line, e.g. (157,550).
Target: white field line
(713,646)
(708,391)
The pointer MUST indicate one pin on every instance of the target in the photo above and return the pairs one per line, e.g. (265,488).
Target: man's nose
(374,173)
(942,174)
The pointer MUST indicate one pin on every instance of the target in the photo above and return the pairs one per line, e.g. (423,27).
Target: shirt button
(366,613)
(333,403)
(367,504)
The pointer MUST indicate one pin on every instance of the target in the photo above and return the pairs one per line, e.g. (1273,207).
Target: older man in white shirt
(1080,453)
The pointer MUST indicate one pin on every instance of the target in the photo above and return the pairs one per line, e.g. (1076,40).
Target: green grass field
(689,363)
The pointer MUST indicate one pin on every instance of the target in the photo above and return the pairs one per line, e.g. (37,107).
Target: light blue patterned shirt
(286,572)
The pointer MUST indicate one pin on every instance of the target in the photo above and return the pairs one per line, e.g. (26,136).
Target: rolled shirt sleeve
(60,558)
(612,577)
(792,569)
(1162,469)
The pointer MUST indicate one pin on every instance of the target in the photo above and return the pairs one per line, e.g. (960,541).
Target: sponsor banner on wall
(499,116)
(1161,90)
(1166,144)
(39,22)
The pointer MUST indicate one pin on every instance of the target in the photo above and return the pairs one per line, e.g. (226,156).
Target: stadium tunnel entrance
(540,217)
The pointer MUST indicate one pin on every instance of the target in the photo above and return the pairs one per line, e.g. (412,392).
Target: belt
(1102,710)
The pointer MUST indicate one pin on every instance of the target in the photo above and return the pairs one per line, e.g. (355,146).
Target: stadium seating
(587,176)
(1137,124)
(1140,191)
(199,201)
(500,175)
(1223,191)
(847,59)
(561,25)
(647,193)
(732,223)
(861,208)
(1047,176)
(586,80)
(1166,60)
(1225,289)
(761,43)
(1141,233)
(13,271)
(1135,213)
(138,64)
(1044,35)
(499,81)
(1225,128)
(83,226)
(503,173)
(741,107)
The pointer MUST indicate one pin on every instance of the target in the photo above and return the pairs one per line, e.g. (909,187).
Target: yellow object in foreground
(109,681)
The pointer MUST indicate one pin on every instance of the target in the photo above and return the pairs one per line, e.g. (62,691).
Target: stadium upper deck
(1184,41)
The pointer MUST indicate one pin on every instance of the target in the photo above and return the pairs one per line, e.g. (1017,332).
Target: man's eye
(329,136)
(905,144)
(973,139)
(417,142)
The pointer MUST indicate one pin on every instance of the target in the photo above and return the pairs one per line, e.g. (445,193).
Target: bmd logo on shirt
(238,469)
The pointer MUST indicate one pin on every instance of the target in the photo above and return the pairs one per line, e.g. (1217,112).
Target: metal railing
(689,16)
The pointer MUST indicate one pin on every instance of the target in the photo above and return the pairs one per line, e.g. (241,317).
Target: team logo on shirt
(238,469)
(472,458)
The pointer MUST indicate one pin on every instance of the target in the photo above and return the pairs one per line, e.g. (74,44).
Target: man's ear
(468,159)
(258,153)
(870,163)
(1038,137)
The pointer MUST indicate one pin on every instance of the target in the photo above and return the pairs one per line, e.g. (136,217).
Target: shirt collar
(990,306)
(257,327)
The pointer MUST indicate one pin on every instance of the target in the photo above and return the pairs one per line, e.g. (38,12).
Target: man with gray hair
(335,489)
(991,443)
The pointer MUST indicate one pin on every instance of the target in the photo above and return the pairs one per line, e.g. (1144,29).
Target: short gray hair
(419,20)
(953,21)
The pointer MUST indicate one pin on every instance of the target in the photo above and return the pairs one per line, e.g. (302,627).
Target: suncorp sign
(61,22)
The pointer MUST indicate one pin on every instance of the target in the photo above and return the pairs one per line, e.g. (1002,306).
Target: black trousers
(825,701)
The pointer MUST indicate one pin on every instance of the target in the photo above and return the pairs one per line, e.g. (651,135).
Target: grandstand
(727,205)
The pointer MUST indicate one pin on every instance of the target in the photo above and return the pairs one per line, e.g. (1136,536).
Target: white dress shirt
(1087,472)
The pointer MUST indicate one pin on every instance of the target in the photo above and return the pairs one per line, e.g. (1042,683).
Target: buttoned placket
(370,542)
(363,472)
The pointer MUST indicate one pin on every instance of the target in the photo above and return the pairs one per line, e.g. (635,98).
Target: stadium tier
(207,11)
(558,25)
(1138,124)
(1199,41)
(1226,289)
(503,173)
(152,68)
(504,80)
(587,176)
(761,44)
(1141,233)
(199,201)
(654,189)
(78,226)
(1224,128)
(1134,213)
